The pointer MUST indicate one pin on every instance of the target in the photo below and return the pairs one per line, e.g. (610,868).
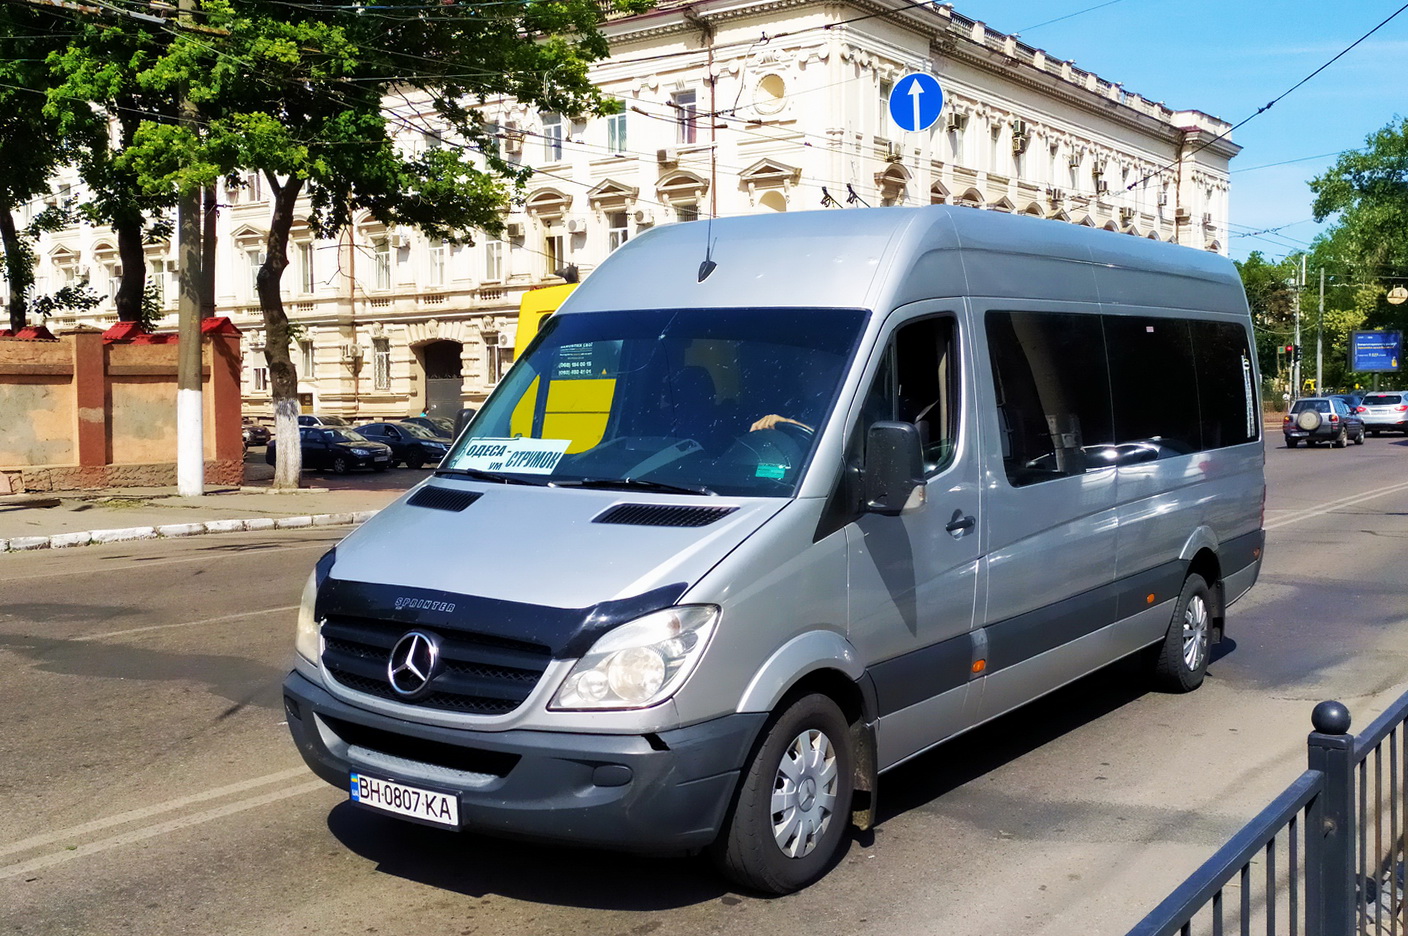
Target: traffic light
(1297,354)
(1293,352)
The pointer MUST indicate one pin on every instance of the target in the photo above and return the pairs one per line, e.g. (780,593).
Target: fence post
(1329,829)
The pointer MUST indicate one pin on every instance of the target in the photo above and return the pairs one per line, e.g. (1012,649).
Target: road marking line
(153,563)
(49,838)
(1310,512)
(172,825)
(157,627)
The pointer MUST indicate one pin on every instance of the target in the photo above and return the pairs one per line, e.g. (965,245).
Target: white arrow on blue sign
(915,101)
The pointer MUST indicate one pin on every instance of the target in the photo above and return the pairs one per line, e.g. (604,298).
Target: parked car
(1385,412)
(318,419)
(254,434)
(411,444)
(1322,419)
(1351,400)
(439,425)
(336,449)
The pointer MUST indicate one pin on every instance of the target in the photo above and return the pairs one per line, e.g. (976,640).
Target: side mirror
(893,478)
(462,419)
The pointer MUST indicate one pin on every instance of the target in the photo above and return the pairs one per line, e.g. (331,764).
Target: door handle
(961,523)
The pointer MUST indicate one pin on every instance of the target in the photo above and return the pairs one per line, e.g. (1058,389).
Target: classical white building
(729,107)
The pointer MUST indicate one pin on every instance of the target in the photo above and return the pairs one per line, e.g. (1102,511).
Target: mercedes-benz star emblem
(414,661)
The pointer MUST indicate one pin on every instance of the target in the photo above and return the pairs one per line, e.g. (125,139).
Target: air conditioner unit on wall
(955,121)
(1182,214)
(1126,214)
(1101,186)
(513,230)
(400,240)
(502,340)
(667,156)
(1207,219)
(644,217)
(894,152)
(1163,198)
(576,225)
(351,352)
(1019,128)
(1019,143)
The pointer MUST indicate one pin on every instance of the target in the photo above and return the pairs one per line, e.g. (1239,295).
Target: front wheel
(793,804)
(414,461)
(339,465)
(1182,660)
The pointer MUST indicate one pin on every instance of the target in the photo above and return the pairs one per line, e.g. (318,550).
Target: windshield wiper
(481,475)
(635,484)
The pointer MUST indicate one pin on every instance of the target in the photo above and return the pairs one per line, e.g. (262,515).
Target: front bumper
(662,793)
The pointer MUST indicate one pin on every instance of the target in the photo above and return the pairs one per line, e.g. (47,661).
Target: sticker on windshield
(775,472)
(520,455)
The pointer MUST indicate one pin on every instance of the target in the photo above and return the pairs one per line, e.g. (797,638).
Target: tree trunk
(134,267)
(18,272)
(283,379)
(207,248)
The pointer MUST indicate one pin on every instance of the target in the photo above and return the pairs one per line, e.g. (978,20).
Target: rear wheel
(792,809)
(1359,439)
(1374,433)
(1342,439)
(1182,660)
(1292,443)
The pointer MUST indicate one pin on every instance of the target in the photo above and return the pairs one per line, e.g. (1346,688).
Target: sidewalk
(114,515)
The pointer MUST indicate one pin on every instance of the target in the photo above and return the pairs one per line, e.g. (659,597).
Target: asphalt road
(149,785)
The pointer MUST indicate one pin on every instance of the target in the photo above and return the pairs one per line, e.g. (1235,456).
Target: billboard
(1375,351)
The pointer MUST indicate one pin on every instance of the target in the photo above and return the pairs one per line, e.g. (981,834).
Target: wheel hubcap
(1195,631)
(804,793)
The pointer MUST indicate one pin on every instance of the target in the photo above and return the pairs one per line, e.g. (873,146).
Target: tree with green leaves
(1271,295)
(303,93)
(32,147)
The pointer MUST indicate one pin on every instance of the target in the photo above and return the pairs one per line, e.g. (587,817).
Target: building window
(616,230)
(437,263)
(552,137)
(381,363)
(494,260)
(955,142)
(687,211)
(261,380)
(305,354)
(499,356)
(113,274)
(554,252)
(381,251)
(156,281)
(306,283)
(254,257)
(686,116)
(882,112)
(995,149)
(616,133)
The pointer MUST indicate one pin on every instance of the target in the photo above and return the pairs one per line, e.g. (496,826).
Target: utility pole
(1320,335)
(190,416)
(1295,306)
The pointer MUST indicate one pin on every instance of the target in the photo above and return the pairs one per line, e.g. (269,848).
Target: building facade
(728,107)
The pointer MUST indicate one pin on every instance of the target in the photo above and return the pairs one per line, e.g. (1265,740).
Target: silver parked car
(1385,411)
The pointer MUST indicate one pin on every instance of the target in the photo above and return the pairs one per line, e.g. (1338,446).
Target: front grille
(663,515)
(479,675)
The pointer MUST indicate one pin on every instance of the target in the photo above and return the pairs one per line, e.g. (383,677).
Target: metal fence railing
(1325,858)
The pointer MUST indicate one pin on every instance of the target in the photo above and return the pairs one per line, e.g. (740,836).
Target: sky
(1229,58)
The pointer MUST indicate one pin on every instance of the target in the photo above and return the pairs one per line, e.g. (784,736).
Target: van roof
(882,258)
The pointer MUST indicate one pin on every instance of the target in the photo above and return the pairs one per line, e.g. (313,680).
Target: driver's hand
(772,419)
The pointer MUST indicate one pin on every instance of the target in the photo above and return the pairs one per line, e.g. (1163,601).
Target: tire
(1359,439)
(414,461)
(1374,433)
(380,468)
(1342,439)
(805,764)
(1292,443)
(1309,420)
(1182,660)
(339,465)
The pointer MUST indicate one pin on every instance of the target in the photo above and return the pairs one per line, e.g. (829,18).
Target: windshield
(419,432)
(705,401)
(344,435)
(1383,399)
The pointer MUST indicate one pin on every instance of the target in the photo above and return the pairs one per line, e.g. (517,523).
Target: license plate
(381,458)
(426,805)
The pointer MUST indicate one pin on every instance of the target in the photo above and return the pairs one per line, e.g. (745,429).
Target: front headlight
(358,451)
(307,638)
(639,663)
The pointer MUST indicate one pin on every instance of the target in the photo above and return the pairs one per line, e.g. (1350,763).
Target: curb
(174,530)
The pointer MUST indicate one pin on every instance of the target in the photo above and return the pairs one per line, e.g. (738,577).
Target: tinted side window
(926,355)
(1227,398)
(1053,392)
(1153,382)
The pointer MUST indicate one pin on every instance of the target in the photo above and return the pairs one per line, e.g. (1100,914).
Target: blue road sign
(915,101)
(1375,350)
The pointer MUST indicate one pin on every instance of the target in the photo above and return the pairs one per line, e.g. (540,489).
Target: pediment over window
(548,203)
(612,194)
(972,198)
(681,186)
(938,194)
(62,255)
(769,173)
(1002,204)
(246,236)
